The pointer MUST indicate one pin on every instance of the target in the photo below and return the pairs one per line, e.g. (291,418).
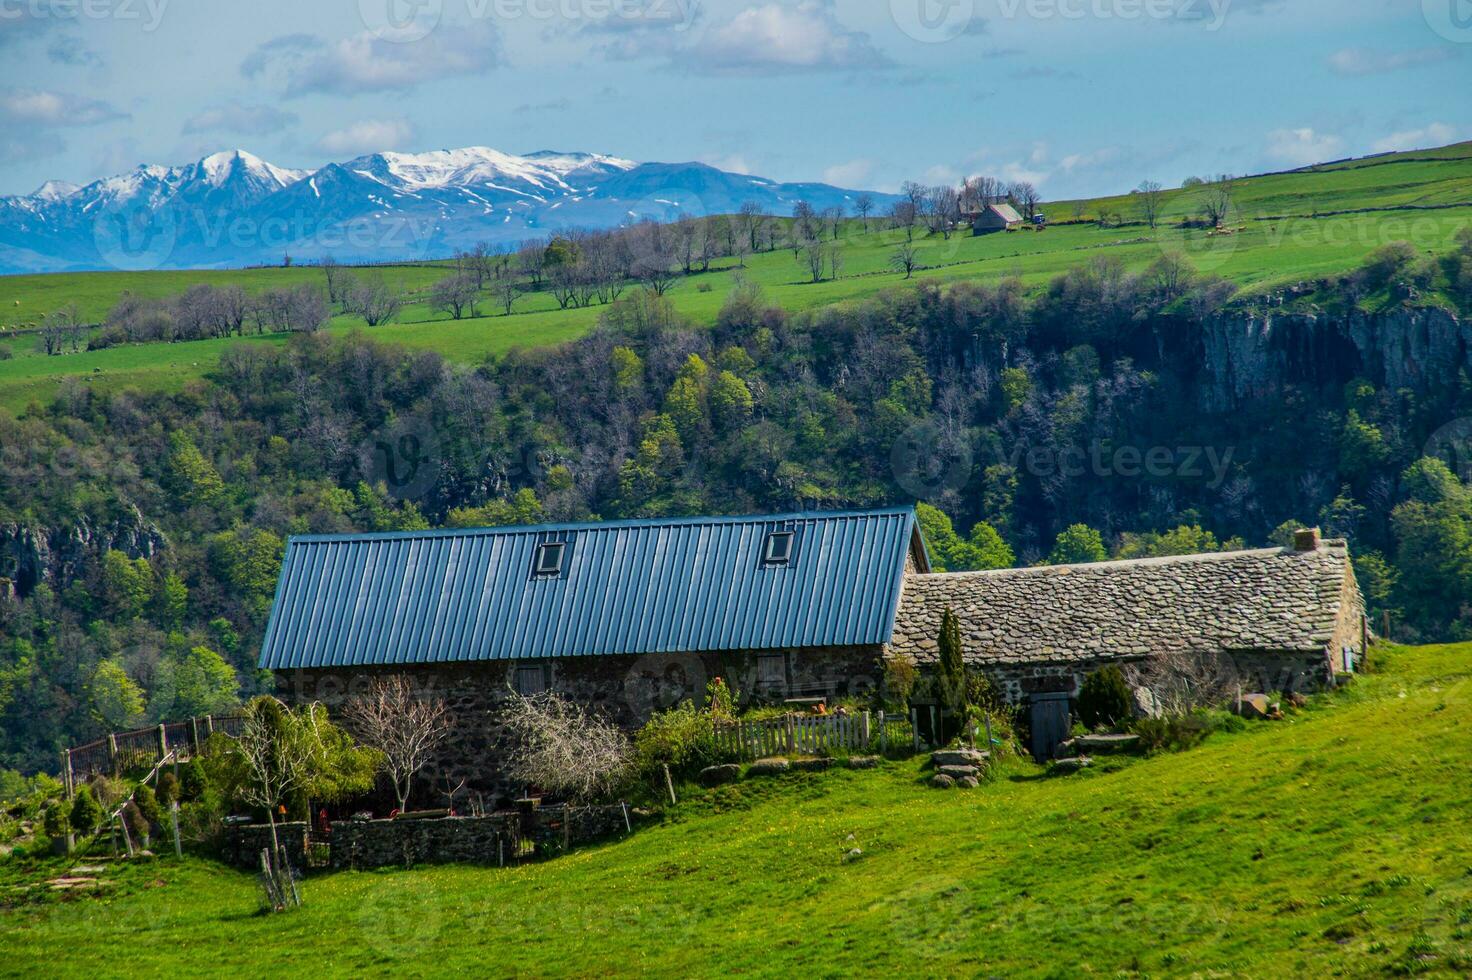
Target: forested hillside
(1114,413)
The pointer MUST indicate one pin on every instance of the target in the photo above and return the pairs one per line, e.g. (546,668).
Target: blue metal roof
(627,587)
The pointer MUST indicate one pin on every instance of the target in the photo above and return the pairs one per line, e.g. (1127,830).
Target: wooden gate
(1051,723)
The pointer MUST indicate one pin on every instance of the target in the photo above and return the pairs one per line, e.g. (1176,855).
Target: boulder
(768,767)
(863,761)
(810,765)
(1252,706)
(1298,699)
(1145,704)
(958,772)
(968,782)
(1066,749)
(1072,765)
(941,781)
(718,775)
(959,757)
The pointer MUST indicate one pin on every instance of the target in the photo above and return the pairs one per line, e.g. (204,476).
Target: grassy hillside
(1264,249)
(1330,844)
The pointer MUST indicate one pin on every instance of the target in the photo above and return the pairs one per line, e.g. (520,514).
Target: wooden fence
(143,748)
(814,735)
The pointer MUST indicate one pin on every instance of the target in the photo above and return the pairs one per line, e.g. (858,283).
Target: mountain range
(233,208)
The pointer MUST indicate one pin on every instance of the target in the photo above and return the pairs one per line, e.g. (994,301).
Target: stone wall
(403,843)
(242,846)
(626,689)
(490,840)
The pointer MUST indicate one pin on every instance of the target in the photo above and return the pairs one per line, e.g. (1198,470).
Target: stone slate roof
(1274,600)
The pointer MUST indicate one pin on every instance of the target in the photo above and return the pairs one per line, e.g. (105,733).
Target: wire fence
(815,735)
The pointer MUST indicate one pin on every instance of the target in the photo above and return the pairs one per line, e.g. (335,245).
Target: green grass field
(1263,251)
(1330,844)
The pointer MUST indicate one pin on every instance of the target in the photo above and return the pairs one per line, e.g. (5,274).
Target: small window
(549,559)
(772,671)
(530,680)
(779,548)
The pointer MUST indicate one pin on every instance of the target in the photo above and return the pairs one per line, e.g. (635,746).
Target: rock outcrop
(56,556)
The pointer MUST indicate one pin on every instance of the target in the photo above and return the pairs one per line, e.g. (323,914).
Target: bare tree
(456,295)
(276,752)
(1216,203)
(406,727)
(654,257)
(863,207)
(59,329)
(813,256)
(1026,196)
(375,301)
(904,259)
(336,279)
(559,747)
(1181,681)
(531,258)
(506,287)
(902,215)
(942,209)
(1150,192)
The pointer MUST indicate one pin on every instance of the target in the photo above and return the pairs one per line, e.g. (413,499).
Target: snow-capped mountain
(233,208)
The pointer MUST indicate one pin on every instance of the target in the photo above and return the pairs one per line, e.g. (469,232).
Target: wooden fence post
(163,742)
(791,734)
(864,731)
(112,753)
(883,733)
(69,781)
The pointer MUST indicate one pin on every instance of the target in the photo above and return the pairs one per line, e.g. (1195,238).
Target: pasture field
(1287,228)
(1329,844)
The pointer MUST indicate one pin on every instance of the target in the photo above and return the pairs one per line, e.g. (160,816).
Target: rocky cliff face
(31,555)
(1247,356)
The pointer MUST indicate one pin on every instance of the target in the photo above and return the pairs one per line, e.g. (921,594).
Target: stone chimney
(1306,539)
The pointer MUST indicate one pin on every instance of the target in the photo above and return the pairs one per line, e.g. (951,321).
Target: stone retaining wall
(243,845)
(467,840)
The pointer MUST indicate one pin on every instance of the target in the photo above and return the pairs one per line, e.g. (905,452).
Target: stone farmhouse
(626,616)
(994,217)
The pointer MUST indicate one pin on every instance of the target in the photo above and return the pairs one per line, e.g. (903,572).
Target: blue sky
(1081,96)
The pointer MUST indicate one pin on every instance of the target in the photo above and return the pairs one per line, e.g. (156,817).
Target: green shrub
(58,821)
(168,789)
(86,813)
(682,738)
(1105,700)
(147,802)
(718,699)
(898,683)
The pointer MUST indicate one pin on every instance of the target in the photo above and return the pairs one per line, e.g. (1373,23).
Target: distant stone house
(994,217)
(627,616)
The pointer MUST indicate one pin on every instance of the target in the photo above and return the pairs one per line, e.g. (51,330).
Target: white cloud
(40,107)
(368,136)
(855,173)
(1367,61)
(1436,134)
(778,37)
(303,63)
(236,117)
(1300,147)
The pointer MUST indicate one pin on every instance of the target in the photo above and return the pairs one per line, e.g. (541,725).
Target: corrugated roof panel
(650,586)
